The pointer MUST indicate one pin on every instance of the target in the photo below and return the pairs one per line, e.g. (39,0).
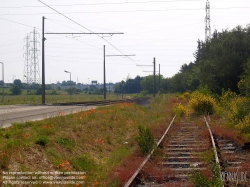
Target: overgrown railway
(187,154)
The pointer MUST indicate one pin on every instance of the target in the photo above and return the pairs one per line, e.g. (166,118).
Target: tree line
(220,63)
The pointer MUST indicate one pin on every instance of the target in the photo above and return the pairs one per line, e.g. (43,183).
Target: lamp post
(3,80)
(69,82)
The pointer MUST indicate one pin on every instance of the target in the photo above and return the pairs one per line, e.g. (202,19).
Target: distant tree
(64,83)
(39,91)
(244,83)
(133,85)
(17,82)
(147,83)
(215,34)
(197,53)
(48,87)
(35,86)
(71,90)
(16,90)
(222,60)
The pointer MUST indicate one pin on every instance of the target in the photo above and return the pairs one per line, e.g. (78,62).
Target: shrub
(184,96)
(42,140)
(145,139)
(179,109)
(237,109)
(244,125)
(16,90)
(227,97)
(202,104)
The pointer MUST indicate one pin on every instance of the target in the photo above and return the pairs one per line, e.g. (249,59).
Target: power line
(91,4)
(17,22)
(124,11)
(85,28)
(48,31)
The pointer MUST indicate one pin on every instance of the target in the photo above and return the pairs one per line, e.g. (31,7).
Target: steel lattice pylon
(207,21)
(34,74)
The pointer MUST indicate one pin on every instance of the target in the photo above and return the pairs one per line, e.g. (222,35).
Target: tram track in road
(189,149)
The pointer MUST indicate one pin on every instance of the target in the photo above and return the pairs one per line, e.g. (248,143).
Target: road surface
(23,113)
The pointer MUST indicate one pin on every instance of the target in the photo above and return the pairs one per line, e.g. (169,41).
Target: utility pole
(154,77)
(207,21)
(43,65)
(104,74)
(159,78)
(69,82)
(3,80)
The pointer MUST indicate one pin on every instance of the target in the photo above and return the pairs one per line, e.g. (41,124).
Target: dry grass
(222,131)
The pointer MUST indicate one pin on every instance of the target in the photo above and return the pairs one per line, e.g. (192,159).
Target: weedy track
(184,151)
(235,163)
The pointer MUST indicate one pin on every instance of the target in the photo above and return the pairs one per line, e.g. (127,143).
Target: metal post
(43,66)
(69,82)
(104,75)
(159,78)
(3,80)
(70,85)
(154,78)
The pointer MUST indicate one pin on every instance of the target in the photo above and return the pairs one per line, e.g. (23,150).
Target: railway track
(188,151)
(103,102)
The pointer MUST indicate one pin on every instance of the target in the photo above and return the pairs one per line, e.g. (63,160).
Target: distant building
(93,86)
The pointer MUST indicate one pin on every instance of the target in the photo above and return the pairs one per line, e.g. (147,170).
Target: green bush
(145,139)
(42,140)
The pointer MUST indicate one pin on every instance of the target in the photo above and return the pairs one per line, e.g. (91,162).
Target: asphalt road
(23,113)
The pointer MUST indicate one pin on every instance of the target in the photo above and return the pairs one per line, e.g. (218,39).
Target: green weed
(145,139)
(84,163)
(42,140)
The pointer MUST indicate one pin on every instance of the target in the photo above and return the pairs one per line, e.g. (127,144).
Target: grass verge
(94,141)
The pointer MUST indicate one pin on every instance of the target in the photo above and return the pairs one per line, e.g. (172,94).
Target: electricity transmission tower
(27,58)
(207,21)
(34,74)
